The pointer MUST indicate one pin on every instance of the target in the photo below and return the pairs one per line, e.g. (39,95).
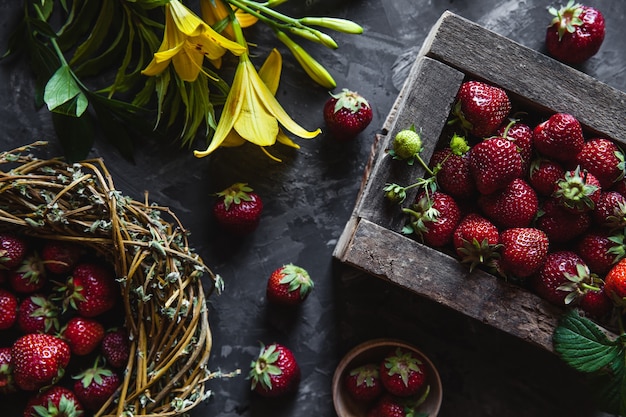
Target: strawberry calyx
(567,18)
(95,374)
(69,293)
(349,100)
(297,278)
(580,283)
(459,145)
(402,362)
(264,367)
(235,194)
(32,269)
(477,253)
(66,407)
(421,213)
(366,375)
(47,310)
(574,192)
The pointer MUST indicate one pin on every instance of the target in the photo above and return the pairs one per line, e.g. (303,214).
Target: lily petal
(271,69)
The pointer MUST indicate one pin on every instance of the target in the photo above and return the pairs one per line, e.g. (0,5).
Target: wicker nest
(160,276)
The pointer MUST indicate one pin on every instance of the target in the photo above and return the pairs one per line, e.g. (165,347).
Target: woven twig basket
(159,275)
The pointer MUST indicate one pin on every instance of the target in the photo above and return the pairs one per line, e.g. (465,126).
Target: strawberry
(115,347)
(407,144)
(602,158)
(599,251)
(38,314)
(91,290)
(560,224)
(402,372)
(578,190)
(38,360)
(615,282)
(559,278)
(515,205)
(522,135)
(30,275)
(560,137)
(347,114)
(451,167)
(523,252)
(544,174)
(7,383)
(596,303)
(94,386)
(57,401)
(363,382)
(390,406)
(433,218)
(610,211)
(238,209)
(275,371)
(8,309)
(494,163)
(83,335)
(481,107)
(59,257)
(289,285)
(12,250)
(476,240)
(575,33)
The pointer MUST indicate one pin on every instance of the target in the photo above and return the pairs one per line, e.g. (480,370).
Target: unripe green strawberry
(407,144)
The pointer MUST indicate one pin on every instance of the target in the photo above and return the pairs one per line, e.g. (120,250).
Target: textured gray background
(309,197)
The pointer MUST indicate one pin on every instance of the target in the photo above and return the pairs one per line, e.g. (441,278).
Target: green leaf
(63,88)
(582,345)
(98,33)
(76,135)
(78,23)
(609,389)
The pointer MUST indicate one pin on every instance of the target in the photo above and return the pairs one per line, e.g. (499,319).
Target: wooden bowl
(374,351)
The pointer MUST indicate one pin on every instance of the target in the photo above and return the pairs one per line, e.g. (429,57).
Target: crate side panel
(439,277)
(539,79)
(429,96)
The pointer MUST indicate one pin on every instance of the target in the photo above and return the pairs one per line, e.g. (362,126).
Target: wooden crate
(455,50)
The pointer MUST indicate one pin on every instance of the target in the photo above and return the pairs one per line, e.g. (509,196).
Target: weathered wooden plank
(429,96)
(439,277)
(536,78)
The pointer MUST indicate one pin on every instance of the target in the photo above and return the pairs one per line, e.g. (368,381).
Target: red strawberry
(390,406)
(559,278)
(12,250)
(602,158)
(544,174)
(38,314)
(596,304)
(433,218)
(238,209)
(481,107)
(57,401)
(610,211)
(578,190)
(515,205)
(615,282)
(599,251)
(83,335)
(7,383)
(559,138)
(8,309)
(402,372)
(562,225)
(347,114)
(275,371)
(476,240)
(523,252)
(575,33)
(363,382)
(94,386)
(494,163)
(59,257)
(451,166)
(38,360)
(522,135)
(115,347)
(91,290)
(29,277)
(289,285)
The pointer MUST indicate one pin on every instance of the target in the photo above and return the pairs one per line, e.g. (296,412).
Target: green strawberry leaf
(582,345)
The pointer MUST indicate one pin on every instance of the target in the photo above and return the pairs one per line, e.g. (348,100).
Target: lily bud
(315,36)
(340,25)
(314,69)
(274,3)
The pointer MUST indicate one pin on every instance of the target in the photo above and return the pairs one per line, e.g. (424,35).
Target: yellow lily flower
(187,40)
(214,11)
(252,113)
